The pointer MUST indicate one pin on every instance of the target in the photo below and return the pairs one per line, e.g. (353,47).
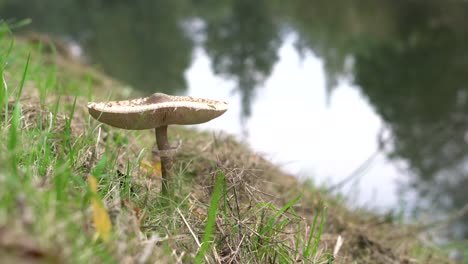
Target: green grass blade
(206,242)
(3,93)
(23,78)
(288,205)
(270,226)
(55,111)
(4,55)
(319,233)
(306,251)
(4,89)
(67,134)
(13,137)
(21,23)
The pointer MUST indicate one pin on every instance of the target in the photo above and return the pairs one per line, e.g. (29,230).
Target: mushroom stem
(166,161)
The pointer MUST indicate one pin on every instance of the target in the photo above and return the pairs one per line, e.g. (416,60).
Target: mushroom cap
(156,110)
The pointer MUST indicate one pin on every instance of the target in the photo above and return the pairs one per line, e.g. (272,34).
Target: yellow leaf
(154,169)
(145,164)
(157,168)
(101,218)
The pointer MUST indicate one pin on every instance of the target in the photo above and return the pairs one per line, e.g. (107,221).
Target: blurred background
(368,98)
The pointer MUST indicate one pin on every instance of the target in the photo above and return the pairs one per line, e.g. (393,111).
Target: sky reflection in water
(293,125)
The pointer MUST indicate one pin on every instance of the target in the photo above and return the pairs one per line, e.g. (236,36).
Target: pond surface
(293,125)
(368,96)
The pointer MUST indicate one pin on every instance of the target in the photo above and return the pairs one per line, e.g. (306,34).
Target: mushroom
(157,111)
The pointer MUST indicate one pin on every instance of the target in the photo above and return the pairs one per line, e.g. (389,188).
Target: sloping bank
(50,146)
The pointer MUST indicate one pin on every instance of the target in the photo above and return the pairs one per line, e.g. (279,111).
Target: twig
(437,224)
(237,250)
(383,142)
(148,249)
(339,243)
(98,138)
(215,254)
(357,172)
(189,228)
(191,232)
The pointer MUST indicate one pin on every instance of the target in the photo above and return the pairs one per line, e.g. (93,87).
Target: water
(297,129)
(323,88)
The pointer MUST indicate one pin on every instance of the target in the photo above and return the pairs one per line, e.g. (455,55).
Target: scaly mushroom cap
(156,110)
